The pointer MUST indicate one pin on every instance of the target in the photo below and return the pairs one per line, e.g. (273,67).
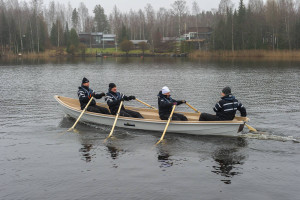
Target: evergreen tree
(75,19)
(123,34)
(101,19)
(43,34)
(4,32)
(74,40)
(66,35)
(53,35)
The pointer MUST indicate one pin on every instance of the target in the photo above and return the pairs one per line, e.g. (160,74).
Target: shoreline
(278,55)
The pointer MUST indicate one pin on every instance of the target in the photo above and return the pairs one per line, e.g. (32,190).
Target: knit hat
(85,80)
(226,90)
(165,90)
(111,85)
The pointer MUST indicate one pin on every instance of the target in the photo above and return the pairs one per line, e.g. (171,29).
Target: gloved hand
(102,94)
(131,97)
(175,103)
(92,95)
(122,99)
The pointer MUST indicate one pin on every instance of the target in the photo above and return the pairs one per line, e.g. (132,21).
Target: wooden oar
(251,128)
(113,127)
(170,117)
(87,105)
(146,104)
(192,107)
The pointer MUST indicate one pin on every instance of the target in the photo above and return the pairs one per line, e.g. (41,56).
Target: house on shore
(98,40)
(136,43)
(198,36)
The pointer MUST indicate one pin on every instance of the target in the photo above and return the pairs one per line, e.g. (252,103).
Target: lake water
(38,161)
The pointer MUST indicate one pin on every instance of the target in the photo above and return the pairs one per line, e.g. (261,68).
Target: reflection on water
(229,161)
(114,152)
(85,152)
(163,157)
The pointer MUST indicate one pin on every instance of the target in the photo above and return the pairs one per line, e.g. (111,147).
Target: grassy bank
(248,54)
(113,51)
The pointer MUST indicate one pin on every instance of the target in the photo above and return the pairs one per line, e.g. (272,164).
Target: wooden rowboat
(151,121)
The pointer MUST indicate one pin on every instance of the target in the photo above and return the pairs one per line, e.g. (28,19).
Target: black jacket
(226,108)
(114,99)
(84,93)
(165,104)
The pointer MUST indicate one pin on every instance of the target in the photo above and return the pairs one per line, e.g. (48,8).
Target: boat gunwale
(57,98)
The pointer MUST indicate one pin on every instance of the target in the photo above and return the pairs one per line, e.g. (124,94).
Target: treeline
(258,25)
(34,27)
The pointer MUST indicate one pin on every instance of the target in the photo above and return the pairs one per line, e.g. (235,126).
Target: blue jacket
(84,93)
(165,104)
(226,108)
(113,100)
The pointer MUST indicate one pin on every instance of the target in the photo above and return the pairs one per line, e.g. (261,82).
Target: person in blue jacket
(113,100)
(226,108)
(85,93)
(165,104)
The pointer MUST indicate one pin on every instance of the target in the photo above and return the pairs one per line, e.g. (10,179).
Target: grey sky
(126,5)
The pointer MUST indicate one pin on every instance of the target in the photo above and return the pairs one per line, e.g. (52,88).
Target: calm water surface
(38,161)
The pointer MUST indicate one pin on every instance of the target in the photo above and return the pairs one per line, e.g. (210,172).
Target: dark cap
(226,90)
(111,85)
(85,80)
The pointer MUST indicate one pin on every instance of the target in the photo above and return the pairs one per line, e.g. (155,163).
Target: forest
(27,27)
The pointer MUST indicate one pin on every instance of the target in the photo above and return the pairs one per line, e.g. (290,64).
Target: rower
(226,108)
(85,93)
(165,104)
(114,98)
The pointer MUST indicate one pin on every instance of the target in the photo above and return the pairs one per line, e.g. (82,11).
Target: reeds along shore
(249,54)
(279,55)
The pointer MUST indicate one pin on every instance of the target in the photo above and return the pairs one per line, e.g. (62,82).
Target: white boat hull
(225,128)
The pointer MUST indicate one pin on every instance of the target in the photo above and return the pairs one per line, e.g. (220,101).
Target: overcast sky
(126,5)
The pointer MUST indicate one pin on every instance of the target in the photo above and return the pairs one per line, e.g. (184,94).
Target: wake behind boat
(152,122)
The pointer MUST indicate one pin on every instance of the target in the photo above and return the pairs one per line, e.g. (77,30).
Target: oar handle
(192,107)
(170,118)
(146,104)
(87,105)
(113,127)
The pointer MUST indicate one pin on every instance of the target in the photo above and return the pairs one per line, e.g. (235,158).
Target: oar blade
(251,128)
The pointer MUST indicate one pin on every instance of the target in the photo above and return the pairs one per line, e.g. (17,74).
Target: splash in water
(267,136)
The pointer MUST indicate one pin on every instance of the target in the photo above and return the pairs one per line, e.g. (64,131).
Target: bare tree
(224,6)
(83,15)
(179,9)
(161,20)
(142,23)
(150,19)
(272,19)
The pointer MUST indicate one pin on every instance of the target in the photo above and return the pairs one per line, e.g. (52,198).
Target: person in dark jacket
(114,98)
(165,104)
(226,108)
(85,93)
